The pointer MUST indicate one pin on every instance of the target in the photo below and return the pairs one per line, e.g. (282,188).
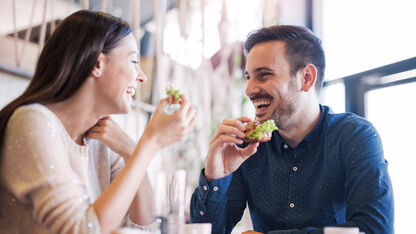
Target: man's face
(272,90)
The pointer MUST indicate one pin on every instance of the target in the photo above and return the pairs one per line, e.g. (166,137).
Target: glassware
(170,201)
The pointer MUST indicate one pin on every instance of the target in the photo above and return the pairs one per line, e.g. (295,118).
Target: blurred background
(197,46)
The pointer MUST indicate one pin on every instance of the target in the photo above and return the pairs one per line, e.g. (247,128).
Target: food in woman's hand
(259,132)
(174,93)
(174,105)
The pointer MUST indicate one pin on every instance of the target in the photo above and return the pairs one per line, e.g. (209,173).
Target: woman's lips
(131,91)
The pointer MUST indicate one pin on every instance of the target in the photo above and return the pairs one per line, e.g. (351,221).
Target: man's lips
(261,105)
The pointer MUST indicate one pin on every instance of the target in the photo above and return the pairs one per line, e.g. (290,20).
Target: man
(319,169)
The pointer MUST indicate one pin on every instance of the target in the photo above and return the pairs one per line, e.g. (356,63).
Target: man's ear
(309,74)
(97,71)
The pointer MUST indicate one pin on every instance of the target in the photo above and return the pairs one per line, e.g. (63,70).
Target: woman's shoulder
(32,112)
(35,117)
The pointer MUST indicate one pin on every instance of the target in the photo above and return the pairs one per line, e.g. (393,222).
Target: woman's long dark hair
(68,58)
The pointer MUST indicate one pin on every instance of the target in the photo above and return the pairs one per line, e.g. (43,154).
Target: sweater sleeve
(36,169)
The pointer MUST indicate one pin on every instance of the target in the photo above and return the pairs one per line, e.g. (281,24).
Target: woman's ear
(97,71)
(309,74)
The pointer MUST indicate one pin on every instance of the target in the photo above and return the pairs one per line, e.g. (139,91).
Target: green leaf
(173,92)
(267,126)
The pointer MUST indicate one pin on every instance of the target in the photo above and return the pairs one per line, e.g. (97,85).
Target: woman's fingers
(184,106)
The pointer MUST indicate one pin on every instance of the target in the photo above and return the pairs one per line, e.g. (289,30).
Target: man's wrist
(210,177)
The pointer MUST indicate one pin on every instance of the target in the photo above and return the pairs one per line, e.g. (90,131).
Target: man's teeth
(261,102)
(131,91)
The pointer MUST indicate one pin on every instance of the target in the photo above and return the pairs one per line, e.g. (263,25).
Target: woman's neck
(77,114)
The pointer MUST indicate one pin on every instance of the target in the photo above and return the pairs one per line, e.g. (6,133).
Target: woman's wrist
(129,149)
(149,142)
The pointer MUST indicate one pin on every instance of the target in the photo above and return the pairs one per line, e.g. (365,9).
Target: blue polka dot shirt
(336,176)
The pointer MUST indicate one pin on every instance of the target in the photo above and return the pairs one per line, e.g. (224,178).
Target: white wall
(11,87)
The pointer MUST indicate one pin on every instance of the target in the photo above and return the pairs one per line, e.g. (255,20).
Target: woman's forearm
(141,209)
(114,202)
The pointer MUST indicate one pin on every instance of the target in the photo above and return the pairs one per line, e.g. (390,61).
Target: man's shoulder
(346,124)
(344,121)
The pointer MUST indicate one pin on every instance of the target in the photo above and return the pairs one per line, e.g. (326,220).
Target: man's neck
(301,124)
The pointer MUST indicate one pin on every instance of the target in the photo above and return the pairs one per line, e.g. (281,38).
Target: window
(361,35)
(392,111)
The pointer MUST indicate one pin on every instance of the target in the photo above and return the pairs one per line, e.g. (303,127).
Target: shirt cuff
(215,189)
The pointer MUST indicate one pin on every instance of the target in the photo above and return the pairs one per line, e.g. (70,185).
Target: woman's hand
(164,129)
(109,133)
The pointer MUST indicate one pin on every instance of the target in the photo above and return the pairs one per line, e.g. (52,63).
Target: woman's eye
(266,74)
(136,62)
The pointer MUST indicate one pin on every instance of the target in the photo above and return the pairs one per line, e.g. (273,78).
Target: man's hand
(224,156)
(251,232)
(109,133)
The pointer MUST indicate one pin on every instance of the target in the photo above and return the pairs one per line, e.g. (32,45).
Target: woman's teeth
(131,91)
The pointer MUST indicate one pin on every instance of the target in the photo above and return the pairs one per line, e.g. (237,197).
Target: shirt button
(205,188)
(215,188)
(295,168)
(201,212)
(285,146)
(291,205)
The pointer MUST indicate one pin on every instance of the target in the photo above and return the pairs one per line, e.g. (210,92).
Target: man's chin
(262,117)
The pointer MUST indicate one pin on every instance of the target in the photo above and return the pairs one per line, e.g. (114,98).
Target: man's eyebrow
(259,69)
(263,68)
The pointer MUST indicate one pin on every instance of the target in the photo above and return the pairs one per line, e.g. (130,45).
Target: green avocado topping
(267,126)
(174,93)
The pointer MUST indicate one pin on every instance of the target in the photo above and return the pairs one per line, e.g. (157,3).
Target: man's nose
(252,88)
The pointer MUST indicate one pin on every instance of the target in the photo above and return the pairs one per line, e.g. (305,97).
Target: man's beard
(286,107)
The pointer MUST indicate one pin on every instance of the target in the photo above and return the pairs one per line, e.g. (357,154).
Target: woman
(53,179)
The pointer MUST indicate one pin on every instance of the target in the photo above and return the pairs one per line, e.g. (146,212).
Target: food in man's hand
(174,105)
(259,132)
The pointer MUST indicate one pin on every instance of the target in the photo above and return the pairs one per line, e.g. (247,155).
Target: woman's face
(120,77)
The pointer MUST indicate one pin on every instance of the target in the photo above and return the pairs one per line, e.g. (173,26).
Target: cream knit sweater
(48,181)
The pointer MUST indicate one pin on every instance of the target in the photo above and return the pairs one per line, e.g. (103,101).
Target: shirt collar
(312,138)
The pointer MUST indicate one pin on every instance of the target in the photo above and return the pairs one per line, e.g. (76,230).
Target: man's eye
(266,74)
(136,62)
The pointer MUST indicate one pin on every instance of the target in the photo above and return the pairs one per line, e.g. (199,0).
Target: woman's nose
(141,77)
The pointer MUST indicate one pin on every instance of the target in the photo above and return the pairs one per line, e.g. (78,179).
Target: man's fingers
(244,119)
(225,139)
(235,123)
(228,130)
(249,150)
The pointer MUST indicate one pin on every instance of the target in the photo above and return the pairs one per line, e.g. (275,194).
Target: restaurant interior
(197,47)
